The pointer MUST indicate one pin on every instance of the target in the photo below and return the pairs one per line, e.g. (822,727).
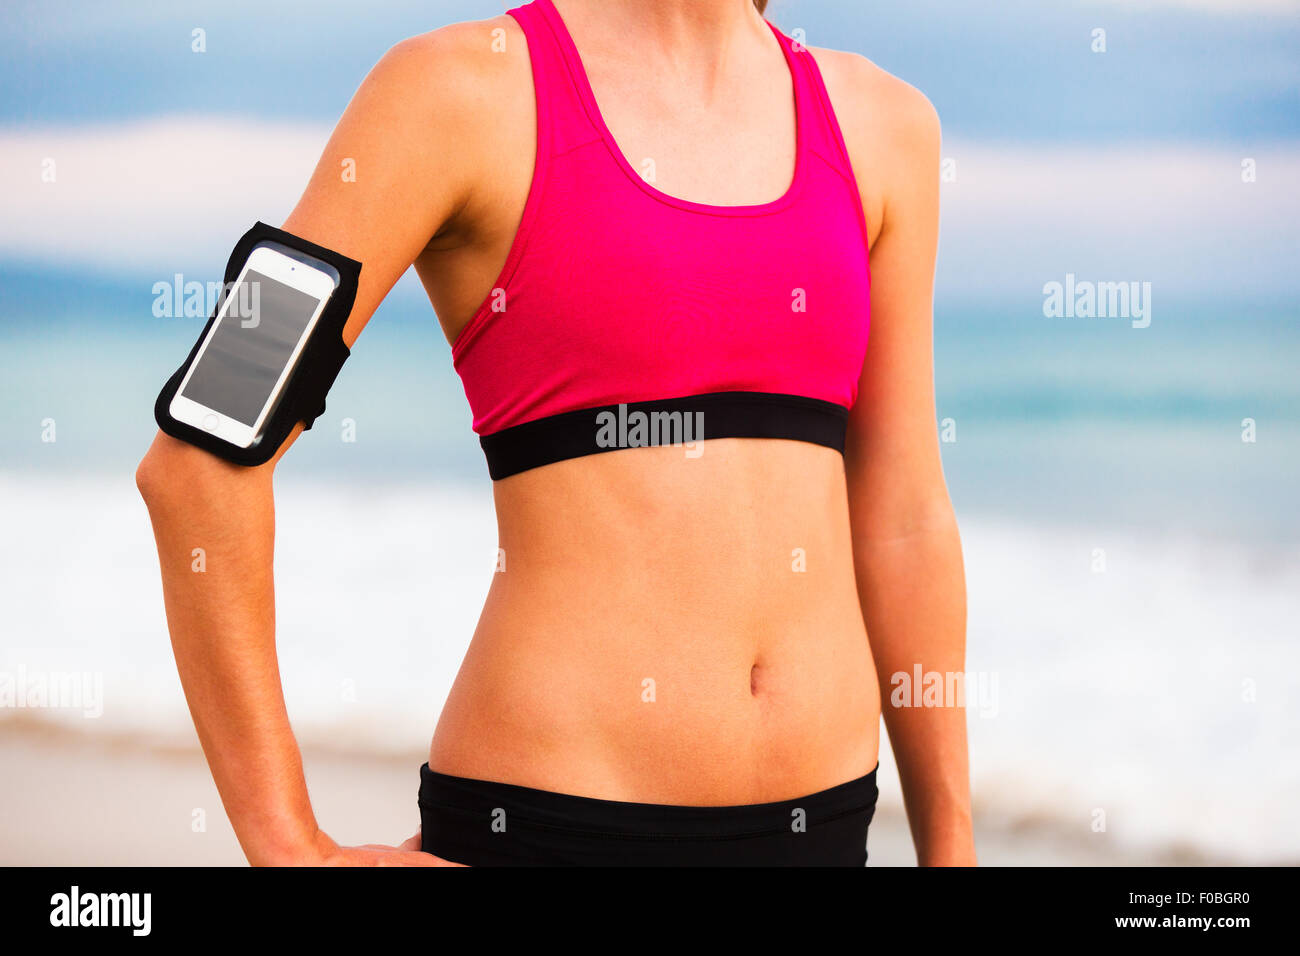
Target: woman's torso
(668,626)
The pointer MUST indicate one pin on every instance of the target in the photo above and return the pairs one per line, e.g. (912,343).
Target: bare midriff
(671,628)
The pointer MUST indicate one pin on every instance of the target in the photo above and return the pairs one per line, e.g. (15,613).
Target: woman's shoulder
(470,62)
(449,102)
(439,120)
(890,127)
(869,98)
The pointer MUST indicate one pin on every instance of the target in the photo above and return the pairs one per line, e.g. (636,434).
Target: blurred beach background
(1127,494)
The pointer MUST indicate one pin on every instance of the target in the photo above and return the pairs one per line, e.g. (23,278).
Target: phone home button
(210,422)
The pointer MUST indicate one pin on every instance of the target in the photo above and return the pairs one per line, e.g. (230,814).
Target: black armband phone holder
(323,355)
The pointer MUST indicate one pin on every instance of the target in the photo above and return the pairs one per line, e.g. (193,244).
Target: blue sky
(1018,69)
(1122,165)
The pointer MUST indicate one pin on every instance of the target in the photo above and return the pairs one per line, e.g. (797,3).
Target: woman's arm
(907,553)
(412,141)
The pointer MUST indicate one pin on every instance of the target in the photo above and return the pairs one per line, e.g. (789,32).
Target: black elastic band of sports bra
(672,421)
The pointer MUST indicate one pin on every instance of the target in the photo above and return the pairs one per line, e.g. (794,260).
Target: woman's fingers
(412,858)
(414,844)
(400,858)
(379,854)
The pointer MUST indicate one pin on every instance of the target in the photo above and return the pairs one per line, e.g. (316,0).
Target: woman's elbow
(172,470)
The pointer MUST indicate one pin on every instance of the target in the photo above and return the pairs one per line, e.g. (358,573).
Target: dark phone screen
(250,348)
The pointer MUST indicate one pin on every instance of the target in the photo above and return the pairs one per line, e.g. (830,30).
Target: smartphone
(245,360)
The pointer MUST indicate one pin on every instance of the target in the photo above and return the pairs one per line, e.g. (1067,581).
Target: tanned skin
(769,683)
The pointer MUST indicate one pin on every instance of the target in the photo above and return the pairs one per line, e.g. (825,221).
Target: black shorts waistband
(672,421)
(562,811)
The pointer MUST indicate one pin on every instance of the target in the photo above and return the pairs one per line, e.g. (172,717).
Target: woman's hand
(329,853)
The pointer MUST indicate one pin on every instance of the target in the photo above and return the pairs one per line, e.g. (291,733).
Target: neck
(699,17)
(679,34)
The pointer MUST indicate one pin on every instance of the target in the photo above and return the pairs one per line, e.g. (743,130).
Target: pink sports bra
(626,317)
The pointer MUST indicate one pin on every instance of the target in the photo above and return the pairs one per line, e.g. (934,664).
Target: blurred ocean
(1133,564)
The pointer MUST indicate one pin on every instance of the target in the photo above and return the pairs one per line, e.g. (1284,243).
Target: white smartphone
(246,358)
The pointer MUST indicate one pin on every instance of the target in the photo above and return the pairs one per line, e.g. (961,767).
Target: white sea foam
(1160,692)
